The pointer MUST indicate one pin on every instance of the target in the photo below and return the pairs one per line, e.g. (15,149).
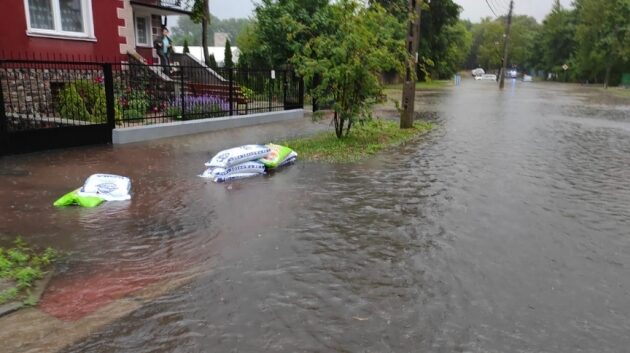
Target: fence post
(110,100)
(285,86)
(4,130)
(271,79)
(231,96)
(182,93)
(301,92)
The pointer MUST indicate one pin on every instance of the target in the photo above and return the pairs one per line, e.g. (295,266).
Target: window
(143,32)
(59,17)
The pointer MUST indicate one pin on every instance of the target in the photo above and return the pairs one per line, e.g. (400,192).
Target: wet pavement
(506,229)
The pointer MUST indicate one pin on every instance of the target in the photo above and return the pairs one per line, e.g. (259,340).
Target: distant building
(218,52)
(220,38)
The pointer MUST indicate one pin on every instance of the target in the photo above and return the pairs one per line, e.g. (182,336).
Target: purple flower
(201,104)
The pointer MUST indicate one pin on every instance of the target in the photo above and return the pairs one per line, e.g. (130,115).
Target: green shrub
(83,100)
(174,112)
(132,114)
(248,93)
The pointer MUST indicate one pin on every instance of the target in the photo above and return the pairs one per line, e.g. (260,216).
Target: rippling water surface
(506,229)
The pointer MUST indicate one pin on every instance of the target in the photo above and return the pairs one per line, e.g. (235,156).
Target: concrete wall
(157,131)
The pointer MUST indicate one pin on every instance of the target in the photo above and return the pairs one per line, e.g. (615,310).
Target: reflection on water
(503,230)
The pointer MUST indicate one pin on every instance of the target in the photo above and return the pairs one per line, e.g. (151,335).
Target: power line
(491,9)
(502,5)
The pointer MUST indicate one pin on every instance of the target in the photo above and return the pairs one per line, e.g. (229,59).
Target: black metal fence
(40,94)
(55,95)
(149,94)
(46,94)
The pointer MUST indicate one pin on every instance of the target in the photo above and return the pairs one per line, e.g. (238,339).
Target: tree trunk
(338,125)
(204,31)
(409,87)
(607,78)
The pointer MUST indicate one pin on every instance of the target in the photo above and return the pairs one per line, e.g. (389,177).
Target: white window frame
(88,23)
(147,18)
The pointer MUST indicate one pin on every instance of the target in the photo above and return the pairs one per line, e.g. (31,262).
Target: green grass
(21,266)
(363,141)
(424,86)
(619,91)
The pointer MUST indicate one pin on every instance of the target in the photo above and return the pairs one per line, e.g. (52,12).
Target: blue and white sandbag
(247,167)
(109,187)
(238,155)
(291,158)
(234,176)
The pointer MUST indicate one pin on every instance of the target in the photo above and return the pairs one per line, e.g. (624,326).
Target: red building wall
(15,43)
(147,54)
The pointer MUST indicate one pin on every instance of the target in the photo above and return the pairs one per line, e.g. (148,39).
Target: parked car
(512,73)
(527,78)
(478,72)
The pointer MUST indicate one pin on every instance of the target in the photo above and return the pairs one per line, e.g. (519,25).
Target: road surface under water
(505,229)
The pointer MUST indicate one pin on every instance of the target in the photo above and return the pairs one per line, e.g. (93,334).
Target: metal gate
(51,104)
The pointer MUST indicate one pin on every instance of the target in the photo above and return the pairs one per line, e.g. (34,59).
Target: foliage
(443,42)
(556,40)
(280,30)
(344,64)
(201,14)
(488,41)
(452,56)
(83,100)
(22,265)
(367,139)
(228,63)
(186,29)
(135,104)
(213,62)
(186,49)
(602,35)
(248,93)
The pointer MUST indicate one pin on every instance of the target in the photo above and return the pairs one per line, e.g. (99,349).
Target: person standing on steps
(163,46)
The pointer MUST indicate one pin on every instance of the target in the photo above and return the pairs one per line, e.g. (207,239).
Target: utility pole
(505,45)
(409,88)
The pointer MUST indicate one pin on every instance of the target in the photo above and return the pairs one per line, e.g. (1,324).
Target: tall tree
(213,62)
(280,30)
(343,63)
(603,38)
(438,32)
(228,63)
(555,41)
(187,29)
(201,14)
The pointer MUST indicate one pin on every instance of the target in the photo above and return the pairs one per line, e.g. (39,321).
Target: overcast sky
(473,9)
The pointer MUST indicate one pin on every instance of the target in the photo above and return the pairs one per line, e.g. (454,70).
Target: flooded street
(505,229)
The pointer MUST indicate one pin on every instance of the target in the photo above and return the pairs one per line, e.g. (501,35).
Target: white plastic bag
(247,167)
(109,187)
(237,155)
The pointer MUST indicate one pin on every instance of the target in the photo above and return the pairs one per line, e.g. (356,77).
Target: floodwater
(505,229)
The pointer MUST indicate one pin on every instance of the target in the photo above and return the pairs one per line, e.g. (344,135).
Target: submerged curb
(40,286)
(54,335)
